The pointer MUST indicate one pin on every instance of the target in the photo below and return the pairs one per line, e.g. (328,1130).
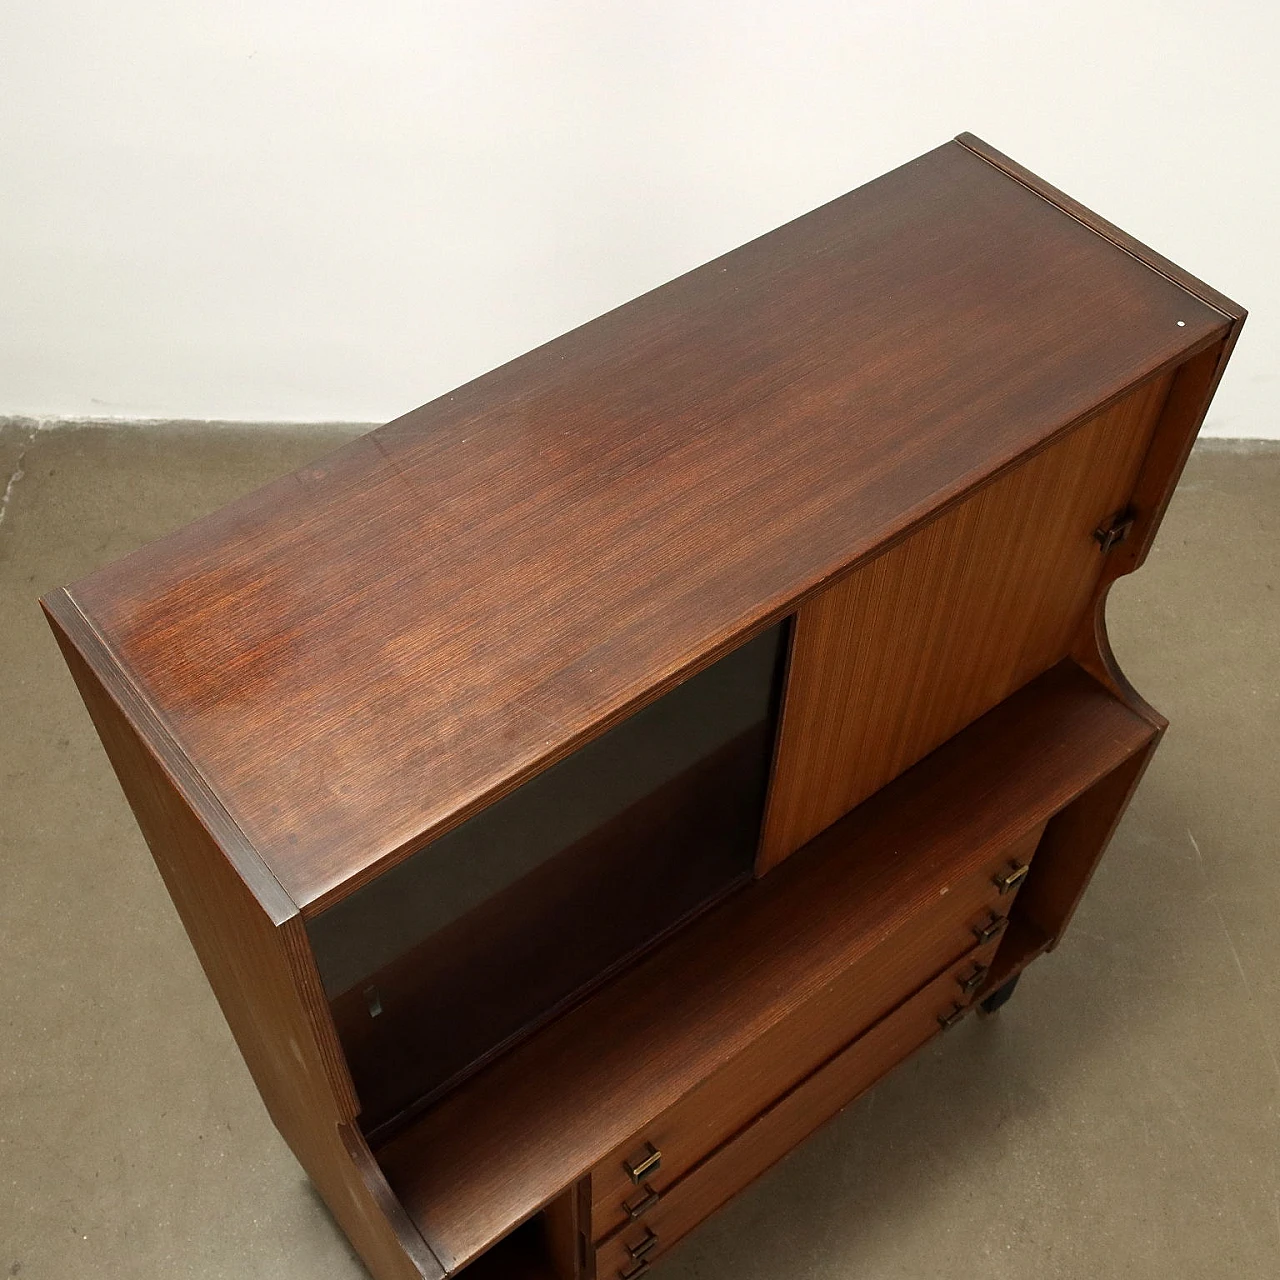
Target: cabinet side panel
(1192,390)
(1073,845)
(916,644)
(264,979)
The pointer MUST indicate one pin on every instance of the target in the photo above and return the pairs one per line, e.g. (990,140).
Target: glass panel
(497,924)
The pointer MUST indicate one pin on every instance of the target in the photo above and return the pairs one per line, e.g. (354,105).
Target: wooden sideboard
(902,446)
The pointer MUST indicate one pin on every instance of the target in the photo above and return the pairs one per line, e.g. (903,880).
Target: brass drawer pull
(648,1163)
(635,1271)
(1009,880)
(985,932)
(971,983)
(647,1245)
(634,1210)
(949,1020)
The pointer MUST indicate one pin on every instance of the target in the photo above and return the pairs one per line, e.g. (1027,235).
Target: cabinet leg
(1000,996)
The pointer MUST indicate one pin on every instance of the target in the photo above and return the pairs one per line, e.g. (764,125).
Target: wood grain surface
(794,1116)
(862,994)
(910,648)
(359,655)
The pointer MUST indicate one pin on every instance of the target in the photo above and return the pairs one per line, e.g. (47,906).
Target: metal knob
(973,981)
(634,1271)
(949,1020)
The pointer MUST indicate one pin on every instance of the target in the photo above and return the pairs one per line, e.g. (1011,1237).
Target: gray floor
(1119,1118)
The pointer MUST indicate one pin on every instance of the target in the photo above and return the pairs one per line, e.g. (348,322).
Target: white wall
(338,210)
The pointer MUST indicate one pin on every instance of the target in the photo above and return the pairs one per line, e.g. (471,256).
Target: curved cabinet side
(1190,393)
(1092,651)
(1075,840)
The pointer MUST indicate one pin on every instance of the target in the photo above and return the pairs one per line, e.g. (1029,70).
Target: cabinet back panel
(907,650)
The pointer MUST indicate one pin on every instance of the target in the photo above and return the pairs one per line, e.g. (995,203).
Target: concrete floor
(1118,1118)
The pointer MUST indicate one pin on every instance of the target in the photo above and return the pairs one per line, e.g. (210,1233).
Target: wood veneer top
(360,654)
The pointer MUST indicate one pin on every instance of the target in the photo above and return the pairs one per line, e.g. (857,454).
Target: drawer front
(625,1185)
(790,1120)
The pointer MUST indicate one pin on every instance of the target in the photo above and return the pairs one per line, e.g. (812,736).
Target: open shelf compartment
(514,1138)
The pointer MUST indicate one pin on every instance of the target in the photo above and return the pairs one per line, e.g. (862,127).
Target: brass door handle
(643,1205)
(971,983)
(985,932)
(1009,880)
(1115,529)
(648,1163)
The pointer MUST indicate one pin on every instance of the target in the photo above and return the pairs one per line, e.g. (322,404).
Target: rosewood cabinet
(581,788)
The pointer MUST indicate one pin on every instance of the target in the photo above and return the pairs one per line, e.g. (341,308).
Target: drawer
(628,1181)
(790,1120)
